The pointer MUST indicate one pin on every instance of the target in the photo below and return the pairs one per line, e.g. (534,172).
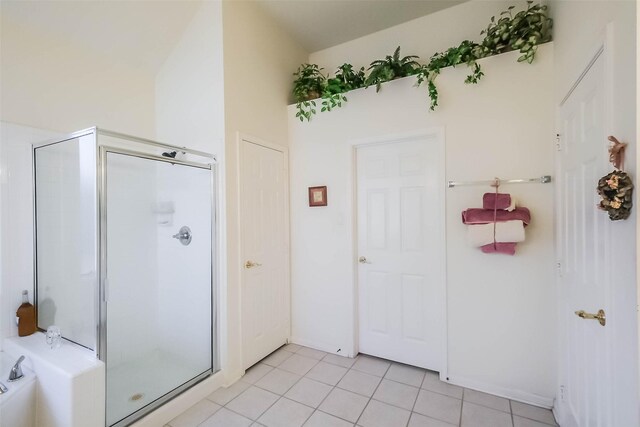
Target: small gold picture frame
(318,196)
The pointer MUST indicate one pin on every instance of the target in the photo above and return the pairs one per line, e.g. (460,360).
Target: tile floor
(299,386)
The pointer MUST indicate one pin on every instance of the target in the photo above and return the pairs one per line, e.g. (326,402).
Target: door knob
(251,264)
(599,316)
(363,260)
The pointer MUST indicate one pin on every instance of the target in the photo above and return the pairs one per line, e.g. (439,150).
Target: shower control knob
(184,235)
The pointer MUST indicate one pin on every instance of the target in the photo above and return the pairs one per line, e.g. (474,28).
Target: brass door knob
(251,264)
(599,316)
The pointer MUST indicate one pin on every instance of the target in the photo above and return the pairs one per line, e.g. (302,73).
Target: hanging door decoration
(616,188)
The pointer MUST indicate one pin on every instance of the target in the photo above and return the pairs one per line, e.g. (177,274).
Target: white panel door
(586,393)
(265,250)
(401,252)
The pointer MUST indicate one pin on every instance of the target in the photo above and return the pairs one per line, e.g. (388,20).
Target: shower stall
(125,249)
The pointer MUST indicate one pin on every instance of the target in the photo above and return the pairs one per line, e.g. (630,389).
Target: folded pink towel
(496,201)
(485,216)
(499,248)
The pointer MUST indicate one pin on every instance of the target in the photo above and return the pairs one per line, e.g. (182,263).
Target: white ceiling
(141,33)
(319,24)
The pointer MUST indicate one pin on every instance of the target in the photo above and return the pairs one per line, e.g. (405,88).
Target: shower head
(170,154)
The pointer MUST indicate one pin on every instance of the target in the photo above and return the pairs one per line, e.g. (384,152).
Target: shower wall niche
(125,250)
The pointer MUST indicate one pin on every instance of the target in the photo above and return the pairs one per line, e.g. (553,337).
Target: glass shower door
(158,280)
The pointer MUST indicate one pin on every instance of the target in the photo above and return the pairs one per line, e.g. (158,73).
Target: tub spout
(16,371)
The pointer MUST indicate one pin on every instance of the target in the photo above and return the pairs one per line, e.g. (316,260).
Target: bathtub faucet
(16,371)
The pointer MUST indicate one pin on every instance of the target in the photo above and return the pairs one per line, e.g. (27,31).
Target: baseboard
(329,348)
(182,402)
(512,394)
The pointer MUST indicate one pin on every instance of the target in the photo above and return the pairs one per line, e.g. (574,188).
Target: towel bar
(545,179)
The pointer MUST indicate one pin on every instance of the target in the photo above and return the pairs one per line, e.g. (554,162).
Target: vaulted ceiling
(319,24)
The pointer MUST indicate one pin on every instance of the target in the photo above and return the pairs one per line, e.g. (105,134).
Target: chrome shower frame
(101,280)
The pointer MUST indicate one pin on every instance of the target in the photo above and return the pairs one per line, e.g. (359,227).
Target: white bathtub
(18,404)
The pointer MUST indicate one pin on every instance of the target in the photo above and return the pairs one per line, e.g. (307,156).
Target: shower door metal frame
(100,235)
(103,279)
(64,138)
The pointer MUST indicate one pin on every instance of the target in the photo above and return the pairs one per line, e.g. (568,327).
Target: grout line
(513,422)
(335,416)
(363,410)
(374,392)
(461,409)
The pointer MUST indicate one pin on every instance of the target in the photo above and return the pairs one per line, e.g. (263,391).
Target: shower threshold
(134,385)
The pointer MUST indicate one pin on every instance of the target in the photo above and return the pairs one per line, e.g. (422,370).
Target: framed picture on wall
(318,196)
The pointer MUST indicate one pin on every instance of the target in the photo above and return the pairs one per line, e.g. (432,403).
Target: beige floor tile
(526,422)
(432,382)
(418,420)
(327,373)
(256,372)
(359,382)
(320,419)
(344,404)
(379,414)
(312,353)
(298,364)
(196,414)
(226,418)
(488,400)
(371,365)
(278,381)
(277,357)
(396,394)
(292,347)
(286,413)
(309,392)
(253,402)
(533,412)
(405,374)
(438,406)
(480,416)
(334,359)
(223,395)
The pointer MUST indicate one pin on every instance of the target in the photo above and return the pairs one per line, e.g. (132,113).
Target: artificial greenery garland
(522,31)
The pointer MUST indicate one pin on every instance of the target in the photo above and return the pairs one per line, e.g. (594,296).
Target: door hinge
(559,268)
(558,144)
(561,393)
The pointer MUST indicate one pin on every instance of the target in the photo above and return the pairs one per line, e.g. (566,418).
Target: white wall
(189,89)
(16,214)
(49,83)
(423,36)
(501,309)
(580,27)
(259,58)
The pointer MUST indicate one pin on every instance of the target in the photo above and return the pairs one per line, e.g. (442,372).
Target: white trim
(246,138)
(326,347)
(437,135)
(506,392)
